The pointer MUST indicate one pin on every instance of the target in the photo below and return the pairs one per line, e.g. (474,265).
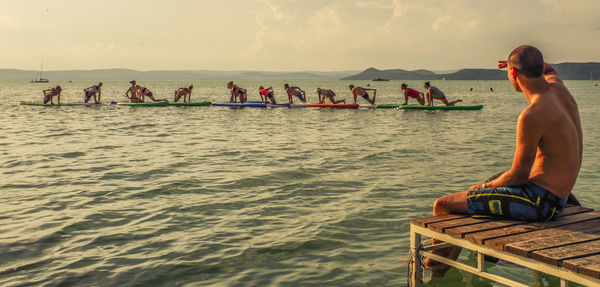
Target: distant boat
(41,80)
(378,79)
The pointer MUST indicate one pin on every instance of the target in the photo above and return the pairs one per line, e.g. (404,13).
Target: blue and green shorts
(528,202)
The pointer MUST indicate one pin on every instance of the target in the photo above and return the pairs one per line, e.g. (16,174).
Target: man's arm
(529,134)
(550,74)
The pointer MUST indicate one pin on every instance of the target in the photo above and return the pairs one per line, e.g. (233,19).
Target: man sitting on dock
(410,93)
(547,156)
(49,94)
(92,91)
(362,92)
(295,92)
(435,93)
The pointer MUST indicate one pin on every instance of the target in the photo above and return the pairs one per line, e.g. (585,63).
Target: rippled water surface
(213,196)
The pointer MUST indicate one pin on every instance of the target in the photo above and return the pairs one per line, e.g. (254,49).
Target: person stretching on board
(410,93)
(184,92)
(236,92)
(328,94)
(92,91)
(267,93)
(547,157)
(435,93)
(362,92)
(144,92)
(134,93)
(49,94)
(295,92)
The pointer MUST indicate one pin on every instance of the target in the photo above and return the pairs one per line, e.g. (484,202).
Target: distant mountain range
(567,71)
(181,75)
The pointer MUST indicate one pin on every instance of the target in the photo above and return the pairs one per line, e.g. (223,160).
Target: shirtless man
(49,94)
(134,93)
(236,92)
(410,93)
(144,92)
(327,94)
(183,92)
(295,92)
(435,93)
(547,156)
(267,93)
(362,92)
(92,91)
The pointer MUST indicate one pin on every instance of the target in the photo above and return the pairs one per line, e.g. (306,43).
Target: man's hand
(477,186)
(502,64)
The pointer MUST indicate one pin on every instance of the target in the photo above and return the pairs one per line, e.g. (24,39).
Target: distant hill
(181,75)
(568,71)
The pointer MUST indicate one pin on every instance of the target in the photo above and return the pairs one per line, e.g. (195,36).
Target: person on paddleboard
(92,91)
(134,98)
(546,160)
(237,92)
(362,92)
(49,94)
(435,93)
(328,94)
(268,95)
(295,92)
(410,93)
(184,92)
(145,92)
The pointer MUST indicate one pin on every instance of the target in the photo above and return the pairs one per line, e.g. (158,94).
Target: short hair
(132,81)
(404,85)
(191,87)
(286,85)
(100,84)
(351,86)
(261,87)
(428,84)
(528,60)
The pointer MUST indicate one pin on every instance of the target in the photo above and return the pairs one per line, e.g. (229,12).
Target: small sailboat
(40,79)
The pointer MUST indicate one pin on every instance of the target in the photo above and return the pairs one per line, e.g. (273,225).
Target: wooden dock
(568,248)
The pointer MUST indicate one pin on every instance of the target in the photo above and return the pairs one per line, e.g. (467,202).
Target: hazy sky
(291,35)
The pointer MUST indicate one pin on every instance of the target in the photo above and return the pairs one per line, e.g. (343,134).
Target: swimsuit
(529,202)
(301,97)
(436,93)
(412,93)
(366,96)
(265,92)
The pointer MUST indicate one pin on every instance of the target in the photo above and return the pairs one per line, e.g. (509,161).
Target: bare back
(559,152)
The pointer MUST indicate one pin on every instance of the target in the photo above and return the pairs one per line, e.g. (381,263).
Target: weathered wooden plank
(482,237)
(461,231)
(572,209)
(525,248)
(499,243)
(441,226)
(589,266)
(555,256)
(423,222)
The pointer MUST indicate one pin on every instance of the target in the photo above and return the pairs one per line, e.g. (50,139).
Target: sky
(292,35)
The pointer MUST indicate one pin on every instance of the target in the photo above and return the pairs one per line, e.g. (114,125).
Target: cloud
(8,21)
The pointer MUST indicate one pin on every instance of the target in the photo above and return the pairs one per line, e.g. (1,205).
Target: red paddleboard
(338,106)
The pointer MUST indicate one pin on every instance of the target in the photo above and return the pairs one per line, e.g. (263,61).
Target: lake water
(213,196)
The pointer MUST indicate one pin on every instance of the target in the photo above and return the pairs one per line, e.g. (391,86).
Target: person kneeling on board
(236,92)
(410,93)
(134,93)
(267,93)
(144,92)
(295,92)
(328,94)
(546,160)
(362,92)
(49,94)
(92,91)
(183,92)
(435,93)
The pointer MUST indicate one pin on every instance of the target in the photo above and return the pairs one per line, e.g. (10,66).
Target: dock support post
(416,274)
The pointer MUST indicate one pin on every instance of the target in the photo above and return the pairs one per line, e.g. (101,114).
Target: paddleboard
(148,104)
(196,104)
(419,107)
(241,105)
(337,106)
(62,104)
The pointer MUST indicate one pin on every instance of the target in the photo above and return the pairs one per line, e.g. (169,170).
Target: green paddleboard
(196,104)
(149,104)
(419,107)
